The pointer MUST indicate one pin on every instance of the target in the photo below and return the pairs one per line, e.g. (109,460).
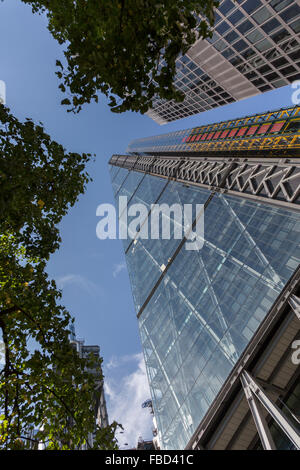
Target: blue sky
(91,272)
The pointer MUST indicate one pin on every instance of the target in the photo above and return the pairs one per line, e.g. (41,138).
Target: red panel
(198,137)
(277,126)
(252,130)
(263,129)
(192,138)
(204,136)
(184,139)
(210,136)
(217,134)
(188,139)
(232,133)
(224,134)
(242,131)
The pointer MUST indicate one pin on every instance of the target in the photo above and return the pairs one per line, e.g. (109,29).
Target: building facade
(255,48)
(100,409)
(207,317)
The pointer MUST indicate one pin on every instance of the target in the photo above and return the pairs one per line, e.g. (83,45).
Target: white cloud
(118,268)
(80,281)
(124,399)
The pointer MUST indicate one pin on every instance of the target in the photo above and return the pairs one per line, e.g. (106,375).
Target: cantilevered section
(264,134)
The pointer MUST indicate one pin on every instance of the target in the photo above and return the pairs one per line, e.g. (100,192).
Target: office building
(100,410)
(220,325)
(255,48)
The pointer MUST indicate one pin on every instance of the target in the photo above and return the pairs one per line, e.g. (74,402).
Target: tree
(125,49)
(39,182)
(43,383)
(48,386)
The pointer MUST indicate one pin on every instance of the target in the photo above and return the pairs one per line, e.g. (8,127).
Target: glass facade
(198,310)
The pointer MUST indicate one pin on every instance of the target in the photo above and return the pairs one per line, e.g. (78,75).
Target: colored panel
(263,129)
(198,137)
(210,136)
(217,134)
(224,134)
(277,126)
(193,138)
(203,136)
(232,133)
(242,131)
(252,130)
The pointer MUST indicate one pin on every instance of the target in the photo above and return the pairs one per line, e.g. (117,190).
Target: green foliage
(46,386)
(39,181)
(116,47)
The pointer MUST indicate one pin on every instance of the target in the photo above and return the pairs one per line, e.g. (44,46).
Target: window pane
(255,36)
(262,15)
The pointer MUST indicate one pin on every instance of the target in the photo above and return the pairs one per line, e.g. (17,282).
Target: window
(258,82)
(280,4)
(250,75)
(240,45)
(251,5)
(295,56)
(231,36)
(255,36)
(245,26)
(262,15)
(288,70)
(272,76)
(279,62)
(226,7)
(228,53)
(270,25)
(223,27)
(248,53)
(265,88)
(235,17)
(296,26)
(280,35)
(290,13)
(263,45)
(264,69)
(236,61)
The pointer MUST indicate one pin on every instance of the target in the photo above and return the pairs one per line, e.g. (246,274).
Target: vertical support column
(258,417)
(294,302)
(283,422)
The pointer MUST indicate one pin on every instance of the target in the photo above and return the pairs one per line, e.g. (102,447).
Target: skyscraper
(99,405)
(255,48)
(218,324)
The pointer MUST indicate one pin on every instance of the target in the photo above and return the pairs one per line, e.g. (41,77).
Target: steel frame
(276,181)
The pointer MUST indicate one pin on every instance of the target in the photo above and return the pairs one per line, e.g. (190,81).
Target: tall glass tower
(205,315)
